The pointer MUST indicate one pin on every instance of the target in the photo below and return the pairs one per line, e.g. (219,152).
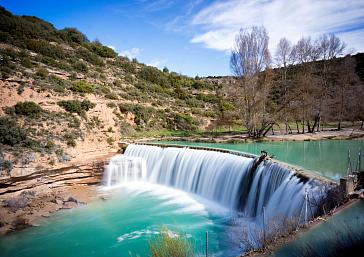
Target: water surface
(324,157)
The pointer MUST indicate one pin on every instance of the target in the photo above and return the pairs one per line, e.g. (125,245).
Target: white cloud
(112,47)
(131,53)
(158,63)
(219,22)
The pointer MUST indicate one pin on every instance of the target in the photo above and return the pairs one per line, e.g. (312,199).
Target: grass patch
(167,245)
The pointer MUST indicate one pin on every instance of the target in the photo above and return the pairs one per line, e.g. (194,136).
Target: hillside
(67,99)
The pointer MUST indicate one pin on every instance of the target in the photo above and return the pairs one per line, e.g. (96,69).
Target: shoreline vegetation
(348,133)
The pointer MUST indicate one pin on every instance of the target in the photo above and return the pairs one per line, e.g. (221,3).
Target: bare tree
(250,57)
(282,57)
(329,47)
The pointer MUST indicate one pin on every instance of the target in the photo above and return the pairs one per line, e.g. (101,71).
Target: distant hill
(81,97)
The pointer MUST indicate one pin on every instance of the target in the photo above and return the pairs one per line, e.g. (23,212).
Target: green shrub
(45,48)
(100,50)
(75,106)
(80,66)
(41,72)
(82,87)
(72,35)
(10,133)
(70,139)
(111,96)
(89,56)
(50,144)
(182,121)
(29,109)
(154,75)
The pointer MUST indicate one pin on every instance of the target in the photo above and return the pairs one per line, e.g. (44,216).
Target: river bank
(234,137)
(25,209)
(25,198)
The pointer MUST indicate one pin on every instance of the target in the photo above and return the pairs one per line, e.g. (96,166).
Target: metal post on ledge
(264,227)
(358,166)
(306,205)
(349,164)
(207,244)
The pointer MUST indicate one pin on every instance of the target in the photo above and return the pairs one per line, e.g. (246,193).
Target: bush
(82,87)
(41,72)
(100,50)
(29,109)
(45,48)
(75,106)
(182,121)
(72,35)
(80,66)
(6,165)
(70,139)
(10,132)
(167,245)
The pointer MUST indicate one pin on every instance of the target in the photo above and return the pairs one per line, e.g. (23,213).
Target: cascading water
(230,180)
(122,169)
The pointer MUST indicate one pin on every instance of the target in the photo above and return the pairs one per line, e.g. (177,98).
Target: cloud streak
(219,22)
(131,53)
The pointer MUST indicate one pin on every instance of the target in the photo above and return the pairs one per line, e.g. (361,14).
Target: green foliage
(72,35)
(210,98)
(165,245)
(80,66)
(7,67)
(70,139)
(100,50)
(82,87)
(75,106)
(50,145)
(182,121)
(111,96)
(29,109)
(41,72)
(45,48)
(10,133)
(89,56)
(154,75)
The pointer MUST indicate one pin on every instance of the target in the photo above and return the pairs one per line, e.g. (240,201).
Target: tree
(283,59)
(304,54)
(249,58)
(329,47)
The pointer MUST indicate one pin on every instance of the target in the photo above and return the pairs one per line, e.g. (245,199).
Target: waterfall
(122,169)
(230,180)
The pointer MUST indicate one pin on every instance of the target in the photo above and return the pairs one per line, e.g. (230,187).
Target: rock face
(25,199)
(72,175)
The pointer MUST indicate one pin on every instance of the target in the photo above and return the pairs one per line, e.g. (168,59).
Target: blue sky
(195,37)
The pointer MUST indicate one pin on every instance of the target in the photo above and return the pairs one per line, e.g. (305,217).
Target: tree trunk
(298,128)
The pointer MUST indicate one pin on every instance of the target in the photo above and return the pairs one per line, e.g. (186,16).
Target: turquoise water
(326,157)
(124,224)
(121,226)
(342,226)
